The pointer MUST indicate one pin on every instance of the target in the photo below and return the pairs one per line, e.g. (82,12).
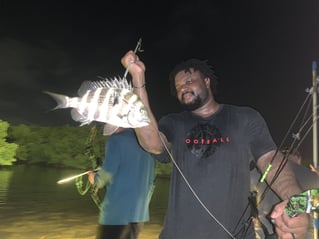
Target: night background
(262,53)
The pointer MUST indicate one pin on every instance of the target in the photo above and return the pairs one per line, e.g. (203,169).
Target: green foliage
(7,150)
(62,146)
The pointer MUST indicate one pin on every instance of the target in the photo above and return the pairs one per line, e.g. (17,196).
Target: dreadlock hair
(202,67)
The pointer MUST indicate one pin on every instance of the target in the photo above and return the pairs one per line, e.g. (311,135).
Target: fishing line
(191,188)
(279,169)
(292,148)
(283,140)
(138,48)
(304,137)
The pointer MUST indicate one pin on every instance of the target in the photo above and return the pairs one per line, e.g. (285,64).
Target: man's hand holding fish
(149,136)
(136,69)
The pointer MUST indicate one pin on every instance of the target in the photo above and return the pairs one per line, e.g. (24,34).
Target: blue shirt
(131,185)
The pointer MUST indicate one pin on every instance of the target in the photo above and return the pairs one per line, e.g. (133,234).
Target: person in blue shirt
(128,175)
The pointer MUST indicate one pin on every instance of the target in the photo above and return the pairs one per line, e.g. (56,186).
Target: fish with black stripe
(111,101)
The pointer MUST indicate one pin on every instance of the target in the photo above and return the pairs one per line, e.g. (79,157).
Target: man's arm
(285,186)
(149,136)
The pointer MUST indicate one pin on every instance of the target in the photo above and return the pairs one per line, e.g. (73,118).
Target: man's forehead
(184,75)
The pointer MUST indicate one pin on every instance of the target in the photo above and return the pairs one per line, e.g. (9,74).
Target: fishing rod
(68,179)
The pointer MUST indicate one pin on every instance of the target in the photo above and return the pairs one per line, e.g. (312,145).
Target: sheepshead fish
(111,101)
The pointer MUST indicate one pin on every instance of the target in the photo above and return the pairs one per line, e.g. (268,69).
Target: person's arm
(285,186)
(148,136)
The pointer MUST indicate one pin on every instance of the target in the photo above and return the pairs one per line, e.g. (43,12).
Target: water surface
(33,205)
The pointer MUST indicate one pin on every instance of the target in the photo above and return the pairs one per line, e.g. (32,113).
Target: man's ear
(207,82)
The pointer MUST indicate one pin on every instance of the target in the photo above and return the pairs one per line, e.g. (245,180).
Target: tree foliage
(63,146)
(7,150)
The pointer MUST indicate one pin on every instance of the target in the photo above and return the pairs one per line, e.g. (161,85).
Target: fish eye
(142,111)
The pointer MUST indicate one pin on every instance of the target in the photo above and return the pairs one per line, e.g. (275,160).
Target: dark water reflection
(33,205)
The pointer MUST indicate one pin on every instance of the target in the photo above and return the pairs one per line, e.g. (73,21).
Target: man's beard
(195,104)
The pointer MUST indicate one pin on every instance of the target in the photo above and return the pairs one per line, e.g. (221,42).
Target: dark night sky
(262,52)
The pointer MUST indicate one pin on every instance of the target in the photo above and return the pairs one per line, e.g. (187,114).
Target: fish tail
(63,101)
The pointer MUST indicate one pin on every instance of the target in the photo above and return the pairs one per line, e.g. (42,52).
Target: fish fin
(79,117)
(61,100)
(105,83)
(116,82)
(92,85)
(109,129)
(85,86)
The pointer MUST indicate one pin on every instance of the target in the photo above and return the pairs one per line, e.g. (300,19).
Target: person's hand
(314,169)
(136,68)
(289,227)
(91,175)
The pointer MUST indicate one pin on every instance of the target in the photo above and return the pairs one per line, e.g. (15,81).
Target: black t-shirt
(213,154)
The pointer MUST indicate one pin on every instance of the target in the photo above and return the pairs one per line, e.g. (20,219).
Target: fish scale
(94,104)
(110,101)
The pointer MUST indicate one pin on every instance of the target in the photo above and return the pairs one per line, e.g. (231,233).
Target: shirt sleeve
(261,141)
(164,126)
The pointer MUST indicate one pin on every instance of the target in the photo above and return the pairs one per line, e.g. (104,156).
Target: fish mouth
(142,124)
(145,122)
(136,122)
